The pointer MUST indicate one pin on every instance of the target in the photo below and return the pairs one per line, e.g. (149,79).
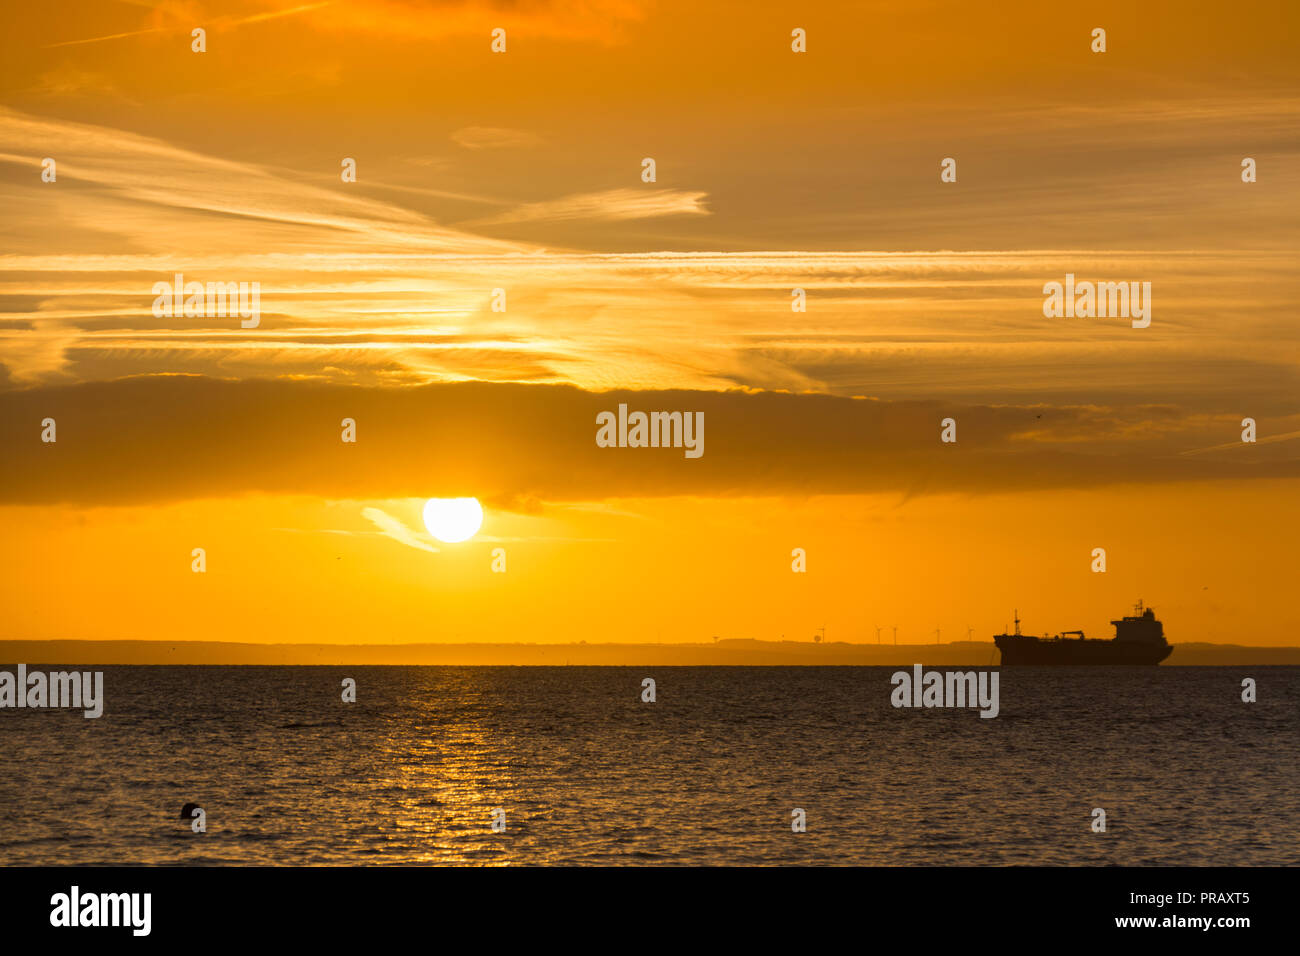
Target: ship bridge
(1141,627)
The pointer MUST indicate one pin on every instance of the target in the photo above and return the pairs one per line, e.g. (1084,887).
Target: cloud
(164,438)
(183,20)
(604,21)
(367,289)
(69,80)
(146,194)
(146,199)
(612,205)
(1234,446)
(108,36)
(396,529)
(491,137)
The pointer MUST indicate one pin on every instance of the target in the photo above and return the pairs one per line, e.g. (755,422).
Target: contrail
(219,21)
(111,36)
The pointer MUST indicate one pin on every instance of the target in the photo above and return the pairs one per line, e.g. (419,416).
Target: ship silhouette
(1139,639)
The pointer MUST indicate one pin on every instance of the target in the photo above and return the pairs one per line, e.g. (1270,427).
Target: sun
(452,520)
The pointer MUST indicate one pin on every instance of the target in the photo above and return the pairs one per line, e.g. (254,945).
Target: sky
(522,171)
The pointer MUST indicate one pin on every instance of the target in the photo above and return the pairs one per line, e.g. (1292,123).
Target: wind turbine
(895,627)
(878,630)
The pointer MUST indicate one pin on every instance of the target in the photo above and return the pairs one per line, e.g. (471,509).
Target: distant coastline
(739,652)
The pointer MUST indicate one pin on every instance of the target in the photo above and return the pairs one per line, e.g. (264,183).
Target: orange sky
(521,171)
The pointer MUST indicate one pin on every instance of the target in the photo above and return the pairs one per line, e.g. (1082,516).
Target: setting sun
(452,520)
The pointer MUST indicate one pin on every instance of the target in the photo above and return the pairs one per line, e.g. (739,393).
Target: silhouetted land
(727,652)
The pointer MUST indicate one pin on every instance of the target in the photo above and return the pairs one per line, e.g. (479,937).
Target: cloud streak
(491,137)
(612,205)
(175,437)
(178,23)
(396,529)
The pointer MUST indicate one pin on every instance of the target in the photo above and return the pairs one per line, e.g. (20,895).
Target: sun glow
(452,520)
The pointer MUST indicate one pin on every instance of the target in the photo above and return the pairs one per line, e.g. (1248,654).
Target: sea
(571,766)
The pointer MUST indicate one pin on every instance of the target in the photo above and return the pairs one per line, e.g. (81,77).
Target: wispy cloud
(396,529)
(154,195)
(218,22)
(604,21)
(492,137)
(109,36)
(612,205)
(1239,447)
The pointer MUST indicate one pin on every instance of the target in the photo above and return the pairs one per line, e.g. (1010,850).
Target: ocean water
(709,774)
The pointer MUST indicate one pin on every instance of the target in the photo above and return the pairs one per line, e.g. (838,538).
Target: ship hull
(1032,650)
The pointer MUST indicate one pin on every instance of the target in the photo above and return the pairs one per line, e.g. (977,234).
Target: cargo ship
(1139,639)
